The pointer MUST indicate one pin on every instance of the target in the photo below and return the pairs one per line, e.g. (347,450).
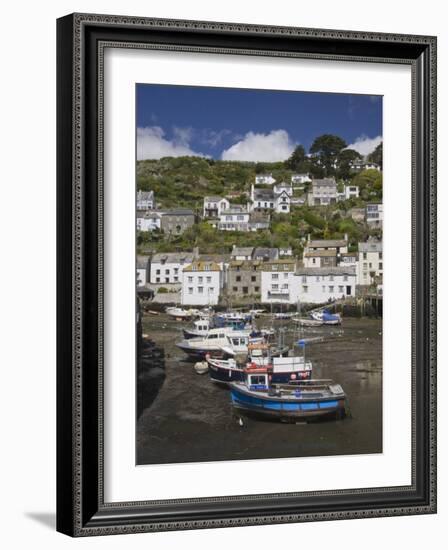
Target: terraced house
(244,278)
(201,284)
(277,281)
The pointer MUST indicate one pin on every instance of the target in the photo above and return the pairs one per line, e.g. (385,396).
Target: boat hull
(228,375)
(263,406)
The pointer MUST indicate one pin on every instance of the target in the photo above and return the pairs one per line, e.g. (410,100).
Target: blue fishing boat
(257,395)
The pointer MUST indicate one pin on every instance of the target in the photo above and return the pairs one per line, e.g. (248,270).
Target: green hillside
(185,181)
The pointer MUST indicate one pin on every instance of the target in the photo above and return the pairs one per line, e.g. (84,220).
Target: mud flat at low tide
(188,418)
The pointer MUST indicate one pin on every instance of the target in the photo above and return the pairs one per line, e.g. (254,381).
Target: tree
(377,155)
(296,159)
(345,159)
(327,149)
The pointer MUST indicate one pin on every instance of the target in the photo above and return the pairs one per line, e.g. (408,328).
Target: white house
(213,206)
(148,220)
(266,200)
(285,252)
(360,164)
(323,192)
(145,200)
(350,192)
(264,179)
(300,179)
(241,253)
(374,215)
(166,268)
(277,282)
(282,203)
(142,270)
(234,218)
(201,284)
(320,285)
(370,261)
(280,187)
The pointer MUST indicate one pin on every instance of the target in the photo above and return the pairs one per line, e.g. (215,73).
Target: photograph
(259,274)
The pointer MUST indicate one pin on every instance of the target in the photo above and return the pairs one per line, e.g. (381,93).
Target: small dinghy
(201,367)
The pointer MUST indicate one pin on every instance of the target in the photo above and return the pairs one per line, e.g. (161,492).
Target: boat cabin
(257,378)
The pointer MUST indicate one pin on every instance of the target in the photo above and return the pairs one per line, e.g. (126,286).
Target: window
(341,289)
(257,289)
(211,290)
(238,278)
(285,286)
(201,289)
(235,289)
(176,279)
(323,288)
(331,278)
(305,289)
(200,279)
(157,279)
(167,271)
(314,260)
(176,270)
(364,255)
(304,279)
(285,275)
(274,287)
(190,290)
(380,255)
(331,289)
(274,276)
(245,290)
(190,279)
(167,279)
(380,266)
(209,279)
(157,271)
(258,380)
(253,278)
(317,278)
(345,278)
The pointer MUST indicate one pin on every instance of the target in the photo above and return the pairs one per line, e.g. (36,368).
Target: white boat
(218,342)
(178,312)
(326,318)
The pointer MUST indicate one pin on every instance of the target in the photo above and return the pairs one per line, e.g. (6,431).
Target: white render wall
(373,262)
(318,289)
(141,276)
(148,224)
(312,289)
(168,273)
(201,288)
(277,287)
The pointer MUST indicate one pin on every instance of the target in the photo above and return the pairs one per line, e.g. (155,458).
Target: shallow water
(190,419)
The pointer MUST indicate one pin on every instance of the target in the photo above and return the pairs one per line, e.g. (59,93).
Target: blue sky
(257,125)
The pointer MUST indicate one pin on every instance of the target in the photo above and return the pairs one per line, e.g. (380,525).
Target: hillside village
(306,230)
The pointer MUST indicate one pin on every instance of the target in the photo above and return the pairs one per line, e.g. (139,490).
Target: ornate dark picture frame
(81,509)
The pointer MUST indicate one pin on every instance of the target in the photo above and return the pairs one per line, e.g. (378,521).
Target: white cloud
(151,143)
(365,145)
(271,147)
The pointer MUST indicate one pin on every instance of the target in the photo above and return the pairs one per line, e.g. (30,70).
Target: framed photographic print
(246,274)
